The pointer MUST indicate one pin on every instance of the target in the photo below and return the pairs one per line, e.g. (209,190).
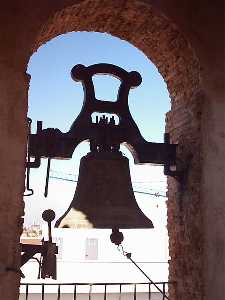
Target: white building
(88,256)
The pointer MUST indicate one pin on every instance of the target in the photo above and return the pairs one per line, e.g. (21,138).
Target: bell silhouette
(104,197)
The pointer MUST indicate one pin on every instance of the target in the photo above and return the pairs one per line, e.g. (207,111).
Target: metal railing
(92,291)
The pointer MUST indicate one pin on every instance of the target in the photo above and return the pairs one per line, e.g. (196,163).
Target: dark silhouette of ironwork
(47,249)
(104,134)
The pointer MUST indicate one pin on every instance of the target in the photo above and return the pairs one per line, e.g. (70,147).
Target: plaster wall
(12,149)
(194,72)
(213,191)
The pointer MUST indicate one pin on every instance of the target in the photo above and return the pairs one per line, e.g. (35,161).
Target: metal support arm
(47,249)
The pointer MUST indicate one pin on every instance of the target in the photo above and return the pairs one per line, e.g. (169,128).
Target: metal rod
(27,291)
(164,291)
(96,283)
(152,282)
(75,292)
(39,266)
(120,291)
(29,190)
(135,292)
(50,232)
(47,177)
(149,291)
(59,293)
(42,291)
(105,292)
(90,290)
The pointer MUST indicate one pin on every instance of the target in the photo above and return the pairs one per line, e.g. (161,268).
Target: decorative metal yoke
(52,143)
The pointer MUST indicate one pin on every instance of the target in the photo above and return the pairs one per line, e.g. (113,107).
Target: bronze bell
(104,197)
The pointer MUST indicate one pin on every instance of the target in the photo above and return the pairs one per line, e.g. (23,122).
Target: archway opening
(57,100)
(160,40)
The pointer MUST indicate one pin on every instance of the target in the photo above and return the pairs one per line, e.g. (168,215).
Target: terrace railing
(94,291)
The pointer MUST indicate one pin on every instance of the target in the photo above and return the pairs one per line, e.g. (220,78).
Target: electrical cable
(135,191)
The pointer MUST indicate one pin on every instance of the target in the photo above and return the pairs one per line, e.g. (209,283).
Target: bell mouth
(74,219)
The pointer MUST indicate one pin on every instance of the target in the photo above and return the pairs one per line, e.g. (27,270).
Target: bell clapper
(116,236)
(47,177)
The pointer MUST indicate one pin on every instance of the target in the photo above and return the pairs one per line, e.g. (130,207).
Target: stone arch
(152,33)
(165,45)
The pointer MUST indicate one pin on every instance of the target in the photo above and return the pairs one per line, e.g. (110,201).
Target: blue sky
(56,99)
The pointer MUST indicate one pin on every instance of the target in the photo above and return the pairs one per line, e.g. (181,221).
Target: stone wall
(184,204)
(12,158)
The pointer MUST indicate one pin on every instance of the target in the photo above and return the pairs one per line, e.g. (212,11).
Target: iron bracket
(47,249)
